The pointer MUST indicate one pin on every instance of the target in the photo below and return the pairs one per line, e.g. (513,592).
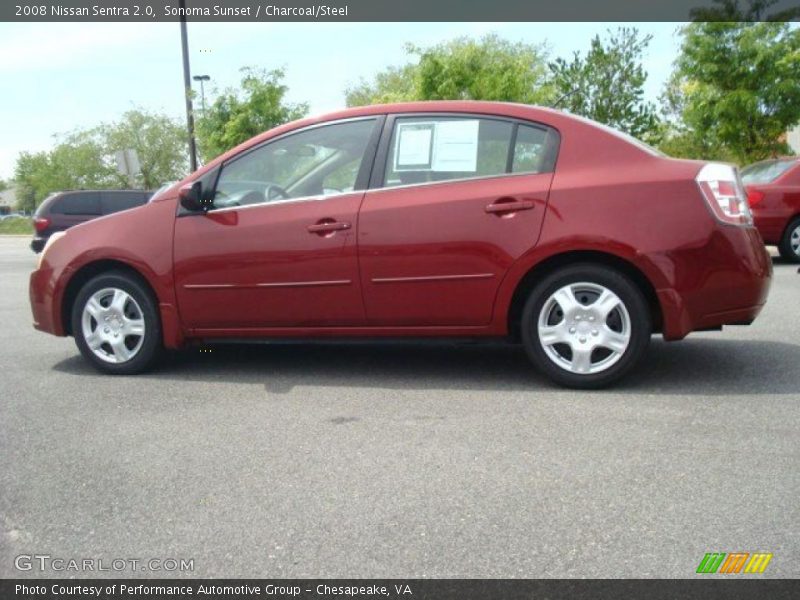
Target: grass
(16,225)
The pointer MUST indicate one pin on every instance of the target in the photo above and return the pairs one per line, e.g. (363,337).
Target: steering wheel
(274,191)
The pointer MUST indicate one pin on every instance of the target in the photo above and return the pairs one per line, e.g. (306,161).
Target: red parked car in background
(773,192)
(473,219)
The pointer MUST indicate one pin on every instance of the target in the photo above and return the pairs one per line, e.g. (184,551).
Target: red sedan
(773,192)
(472,219)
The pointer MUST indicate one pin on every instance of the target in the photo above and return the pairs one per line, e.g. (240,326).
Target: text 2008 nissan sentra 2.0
(472,219)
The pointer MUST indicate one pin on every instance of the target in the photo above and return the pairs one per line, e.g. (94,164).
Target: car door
(453,202)
(278,248)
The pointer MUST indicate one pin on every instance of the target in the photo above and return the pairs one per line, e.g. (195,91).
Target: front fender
(139,239)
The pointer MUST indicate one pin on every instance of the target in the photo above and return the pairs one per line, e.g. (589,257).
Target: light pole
(187,89)
(202,79)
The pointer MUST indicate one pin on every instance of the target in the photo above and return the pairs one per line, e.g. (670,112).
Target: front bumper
(42,293)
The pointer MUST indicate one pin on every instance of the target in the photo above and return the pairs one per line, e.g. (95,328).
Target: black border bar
(731,588)
(364,10)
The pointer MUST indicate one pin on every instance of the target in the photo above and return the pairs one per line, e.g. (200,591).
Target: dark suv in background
(62,210)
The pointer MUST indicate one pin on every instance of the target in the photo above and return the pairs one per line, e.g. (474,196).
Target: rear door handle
(327,226)
(509,206)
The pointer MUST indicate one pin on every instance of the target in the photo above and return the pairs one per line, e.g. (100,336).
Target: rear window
(44,207)
(767,171)
(86,203)
(117,201)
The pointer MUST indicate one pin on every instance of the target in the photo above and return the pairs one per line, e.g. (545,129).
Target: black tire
(150,347)
(613,280)
(785,247)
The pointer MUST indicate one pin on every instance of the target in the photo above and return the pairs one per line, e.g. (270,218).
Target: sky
(58,77)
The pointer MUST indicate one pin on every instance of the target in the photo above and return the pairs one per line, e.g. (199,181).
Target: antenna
(565,96)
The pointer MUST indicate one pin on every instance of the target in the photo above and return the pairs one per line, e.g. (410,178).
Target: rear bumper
(37,244)
(726,282)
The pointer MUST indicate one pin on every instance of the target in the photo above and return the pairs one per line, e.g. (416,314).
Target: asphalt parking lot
(400,460)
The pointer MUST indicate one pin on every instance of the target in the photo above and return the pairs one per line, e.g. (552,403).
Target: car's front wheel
(115,324)
(586,325)
(790,243)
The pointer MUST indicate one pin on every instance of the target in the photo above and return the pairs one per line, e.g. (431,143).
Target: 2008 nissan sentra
(472,219)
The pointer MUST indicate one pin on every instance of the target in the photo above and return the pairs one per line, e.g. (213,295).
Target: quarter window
(314,162)
(534,150)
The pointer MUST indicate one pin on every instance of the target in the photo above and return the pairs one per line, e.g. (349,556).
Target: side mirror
(190,196)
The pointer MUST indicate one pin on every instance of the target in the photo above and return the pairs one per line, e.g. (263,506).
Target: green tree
(734,92)
(159,142)
(463,69)
(395,84)
(32,171)
(77,162)
(85,159)
(755,10)
(236,115)
(607,85)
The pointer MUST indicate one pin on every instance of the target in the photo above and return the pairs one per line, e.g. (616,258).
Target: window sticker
(444,146)
(455,146)
(414,145)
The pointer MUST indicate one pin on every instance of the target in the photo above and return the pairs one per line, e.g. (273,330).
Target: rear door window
(429,149)
(432,149)
(84,203)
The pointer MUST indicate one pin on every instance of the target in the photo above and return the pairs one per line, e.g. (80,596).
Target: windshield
(767,171)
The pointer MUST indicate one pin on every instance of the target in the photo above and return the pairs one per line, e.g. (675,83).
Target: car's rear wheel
(790,243)
(115,324)
(585,326)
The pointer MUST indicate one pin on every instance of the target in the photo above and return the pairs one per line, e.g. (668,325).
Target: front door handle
(507,206)
(328,226)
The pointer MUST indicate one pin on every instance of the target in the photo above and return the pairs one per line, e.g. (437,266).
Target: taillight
(754,197)
(41,223)
(724,192)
